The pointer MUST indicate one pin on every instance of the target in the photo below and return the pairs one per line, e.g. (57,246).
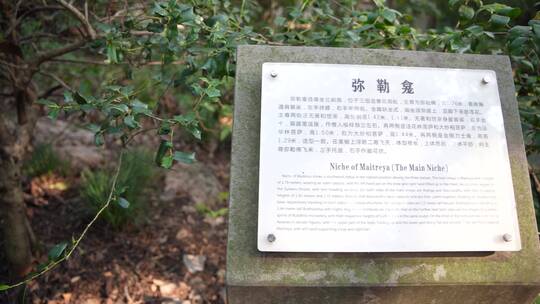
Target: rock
(172,301)
(48,130)
(168,289)
(183,290)
(197,284)
(189,209)
(70,142)
(81,156)
(196,181)
(194,263)
(182,234)
(92,301)
(163,239)
(197,299)
(214,221)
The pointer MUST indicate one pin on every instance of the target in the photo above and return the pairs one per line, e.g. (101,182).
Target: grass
(44,160)
(136,177)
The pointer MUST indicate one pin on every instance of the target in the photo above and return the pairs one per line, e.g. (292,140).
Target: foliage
(204,210)
(43,160)
(136,176)
(195,46)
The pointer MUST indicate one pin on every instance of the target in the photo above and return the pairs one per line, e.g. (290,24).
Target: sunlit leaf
(124,203)
(57,251)
(187,158)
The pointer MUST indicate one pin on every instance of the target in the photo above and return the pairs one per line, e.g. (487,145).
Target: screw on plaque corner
(271,238)
(507,237)
(486,79)
(273,74)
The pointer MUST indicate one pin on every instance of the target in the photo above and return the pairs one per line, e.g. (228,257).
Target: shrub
(43,160)
(137,174)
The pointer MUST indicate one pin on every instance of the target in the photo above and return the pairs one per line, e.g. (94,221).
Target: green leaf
(122,202)
(53,113)
(389,15)
(502,9)
(453,3)
(225,132)
(280,21)
(139,107)
(53,108)
(165,148)
(405,29)
(535,24)
(466,12)
(131,122)
(164,128)
(167,162)
(519,30)
(194,130)
(68,97)
(476,30)
(197,89)
(499,20)
(212,92)
(79,98)
(490,35)
(158,10)
(512,12)
(126,91)
(528,64)
(188,15)
(112,56)
(187,119)
(57,251)
(187,158)
(379,3)
(516,46)
(122,108)
(4,287)
(99,139)
(94,128)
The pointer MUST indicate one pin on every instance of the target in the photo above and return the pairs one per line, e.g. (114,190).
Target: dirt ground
(142,263)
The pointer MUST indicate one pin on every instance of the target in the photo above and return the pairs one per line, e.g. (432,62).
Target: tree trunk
(15,135)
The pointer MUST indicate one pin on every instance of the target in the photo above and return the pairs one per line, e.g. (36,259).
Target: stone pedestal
(255,277)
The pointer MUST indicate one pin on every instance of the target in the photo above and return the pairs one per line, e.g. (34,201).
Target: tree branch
(40,35)
(73,10)
(57,79)
(76,61)
(57,52)
(49,92)
(95,62)
(91,35)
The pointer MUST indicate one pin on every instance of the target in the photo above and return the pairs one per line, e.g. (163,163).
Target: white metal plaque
(358,158)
